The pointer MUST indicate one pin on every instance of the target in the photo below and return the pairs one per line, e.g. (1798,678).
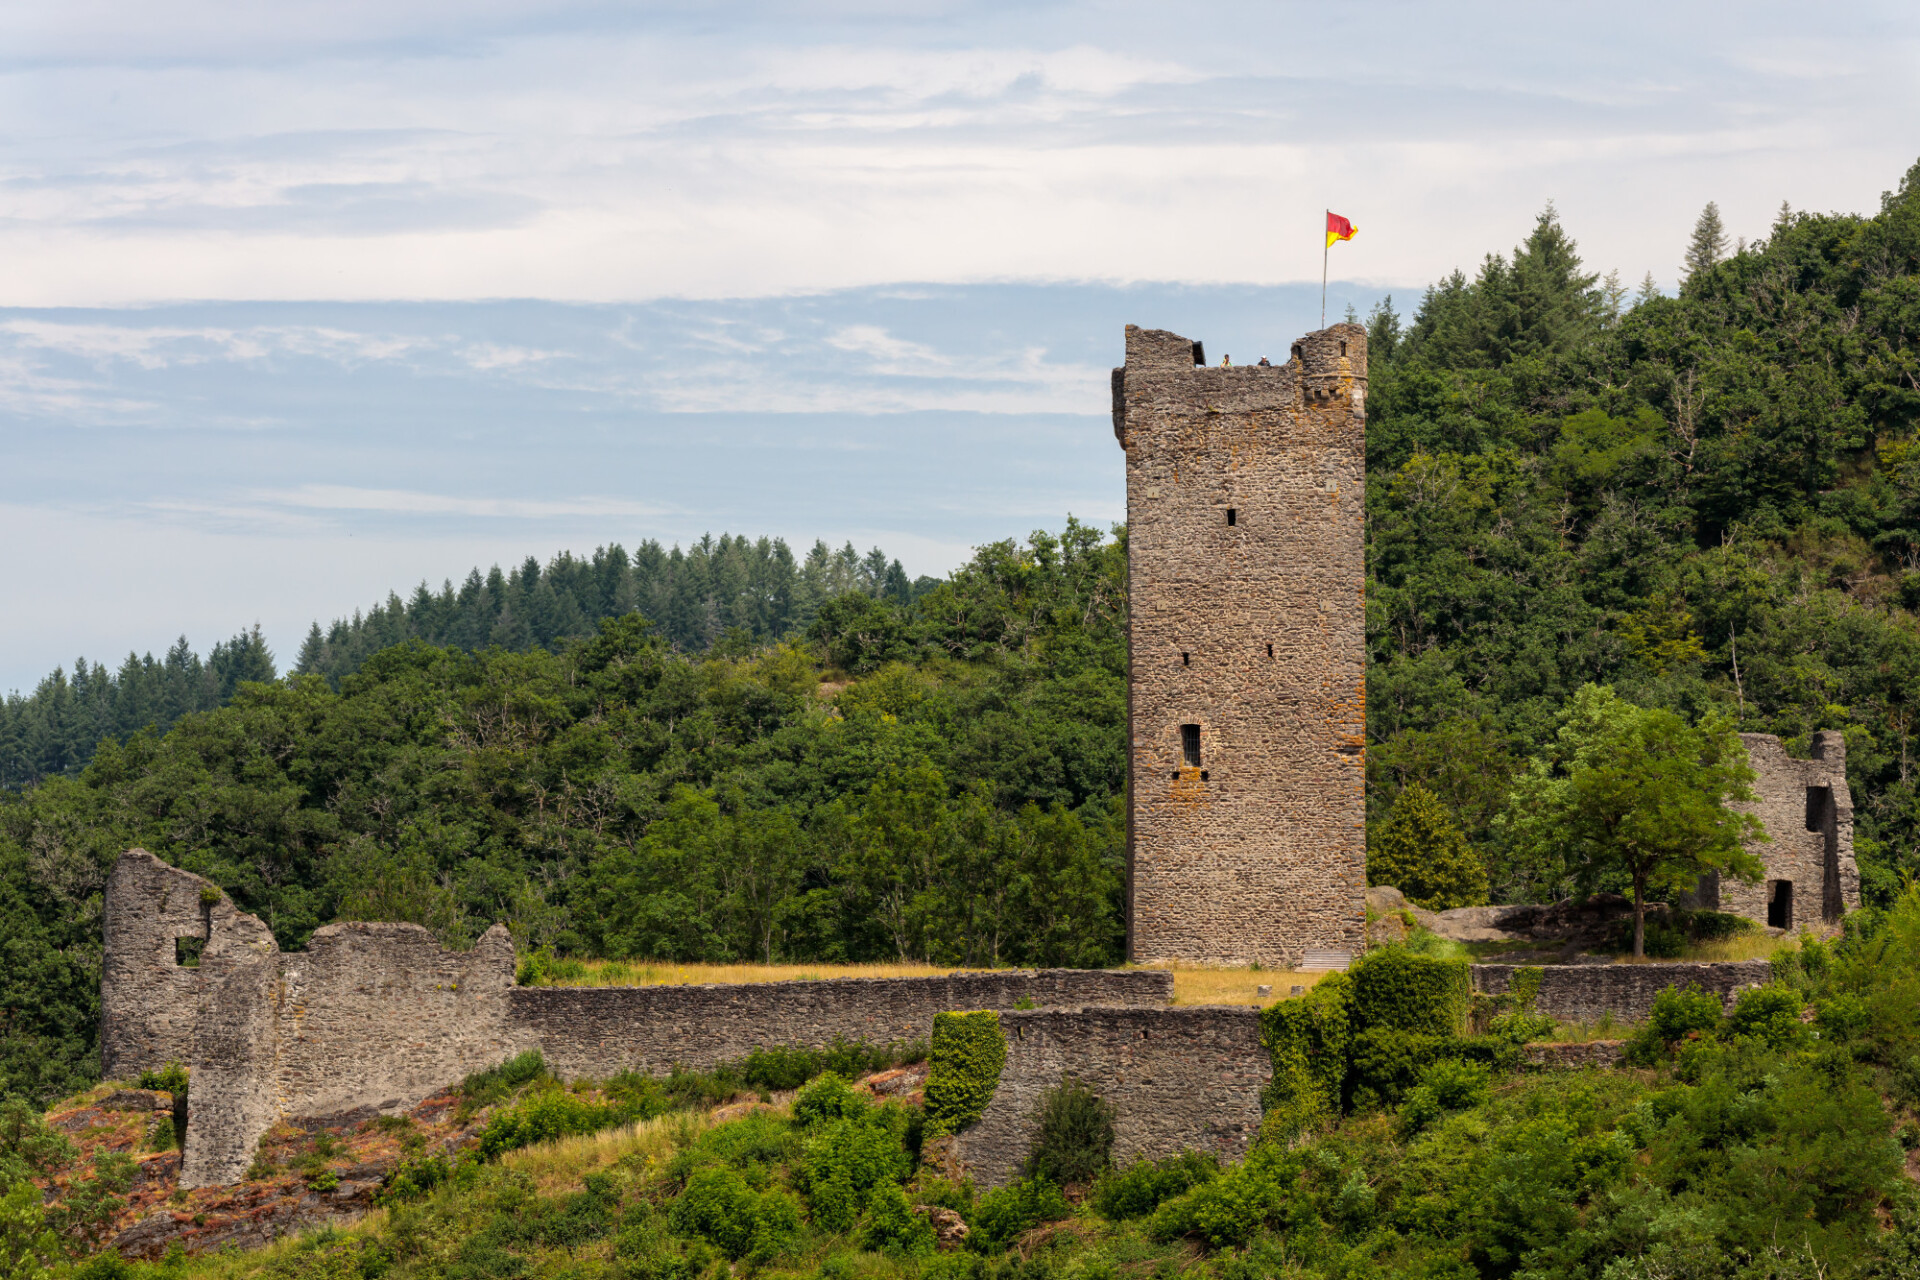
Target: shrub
(411,1179)
(1229,1209)
(1421,852)
(1770,1014)
(1448,1085)
(553,1113)
(495,1084)
(1145,1185)
(719,1206)
(1074,1143)
(171,1078)
(789,1068)
(967,1053)
(1676,1014)
(846,1160)
(893,1227)
(1002,1214)
(1309,1038)
(1395,989)
(1387,1063)
(827,1098)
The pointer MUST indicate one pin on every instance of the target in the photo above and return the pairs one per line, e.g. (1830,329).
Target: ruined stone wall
(1587,992)
(1179,1079)
(1807,810)
(375,1017)
(1245,507)
(600,1030)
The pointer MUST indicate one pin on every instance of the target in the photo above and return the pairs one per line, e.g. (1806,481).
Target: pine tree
(1383,333)
(1422,853)
(1709,243)
(1613,291)
(1649,290)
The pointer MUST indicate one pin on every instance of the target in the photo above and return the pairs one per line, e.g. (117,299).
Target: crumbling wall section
(601,1030)
(1246,689)
(1625,992)
(1179,1079)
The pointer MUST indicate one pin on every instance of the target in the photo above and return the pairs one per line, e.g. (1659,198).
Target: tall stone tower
(1245,508)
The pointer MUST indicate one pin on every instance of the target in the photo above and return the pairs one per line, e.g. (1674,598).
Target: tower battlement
(1246,692)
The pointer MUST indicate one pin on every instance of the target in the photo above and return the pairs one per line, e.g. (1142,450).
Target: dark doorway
(1819,807)
(1780,904)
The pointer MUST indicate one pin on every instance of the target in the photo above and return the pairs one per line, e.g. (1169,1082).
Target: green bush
(789,1068)
(967,1052)
(413,1178)
(544,1116)
(1145,1185)
(496,1084)
(1450,1084)
(1002,1214)
(827,1098)
(719,1206)
(1770,1014)
(1229,1209)
(171,1078)
(1397,990)
(1676,1014)
(893,1227)
(846,1159)
(1309,1038)
(1074,1143)
(1388,1063)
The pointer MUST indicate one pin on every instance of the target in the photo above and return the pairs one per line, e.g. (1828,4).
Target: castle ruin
(1247,664)
(1809,877)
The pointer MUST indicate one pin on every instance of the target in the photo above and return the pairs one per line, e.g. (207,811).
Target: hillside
(1704,501)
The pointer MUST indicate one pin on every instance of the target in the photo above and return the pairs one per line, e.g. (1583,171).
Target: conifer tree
(1709,243)
(1421,852)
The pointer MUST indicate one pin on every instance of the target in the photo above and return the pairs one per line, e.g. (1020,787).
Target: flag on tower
(1338,228)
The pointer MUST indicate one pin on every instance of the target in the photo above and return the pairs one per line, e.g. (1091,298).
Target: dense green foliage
(1707,502)
(967,1051)
(1420,851)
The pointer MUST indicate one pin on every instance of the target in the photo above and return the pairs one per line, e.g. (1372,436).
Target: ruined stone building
(1811,878)
(1245,527)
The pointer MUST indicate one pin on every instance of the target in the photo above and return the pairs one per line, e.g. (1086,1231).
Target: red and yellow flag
(1338,228)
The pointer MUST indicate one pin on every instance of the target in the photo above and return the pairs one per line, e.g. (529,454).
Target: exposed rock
(1586,922)
(137,1100)
(899,1082)
(949,1228)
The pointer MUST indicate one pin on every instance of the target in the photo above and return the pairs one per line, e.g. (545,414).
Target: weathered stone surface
(1625,992)
(1592,1053)
(1179,1079)
(373,1018)
(1807,810)
(950,1230)
(1246,832)
(137,1100)
(600,1030)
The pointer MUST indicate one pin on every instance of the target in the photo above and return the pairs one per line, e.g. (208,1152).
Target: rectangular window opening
(1233,515)
(1780,904)
(1190,744)
(1819,807)
(186,952)
(1186,660)
(1269,648)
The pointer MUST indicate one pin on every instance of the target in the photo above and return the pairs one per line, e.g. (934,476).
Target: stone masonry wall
(600,1030)
(1245,508)
(374,1017)
(1812,838)
(1179,1079)
(1586,992)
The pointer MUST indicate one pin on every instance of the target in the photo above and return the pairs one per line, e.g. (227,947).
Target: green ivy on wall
(967,1052)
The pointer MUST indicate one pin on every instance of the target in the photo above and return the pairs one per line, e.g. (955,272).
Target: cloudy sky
(305,301)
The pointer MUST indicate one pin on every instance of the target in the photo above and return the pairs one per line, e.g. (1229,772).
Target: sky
(305,302)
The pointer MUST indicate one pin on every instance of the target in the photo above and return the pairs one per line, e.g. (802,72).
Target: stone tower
(1246,694)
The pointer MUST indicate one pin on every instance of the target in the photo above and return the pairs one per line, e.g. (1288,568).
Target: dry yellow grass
(564,1161)
(1191,984)
(637,973)
(1747,946)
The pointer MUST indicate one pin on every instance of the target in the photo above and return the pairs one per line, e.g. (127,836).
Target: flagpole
(1325,246)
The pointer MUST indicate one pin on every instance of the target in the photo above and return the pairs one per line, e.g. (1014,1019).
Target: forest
(1707,503)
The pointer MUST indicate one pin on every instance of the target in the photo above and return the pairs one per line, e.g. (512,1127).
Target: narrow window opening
(1296,351)
(1190,744)
(1780,904)
(1343,348)
(1269,648)
(186,952)
(1199,354)
(1819,807)
(1186,660)
(1233,515)
(1203,775)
